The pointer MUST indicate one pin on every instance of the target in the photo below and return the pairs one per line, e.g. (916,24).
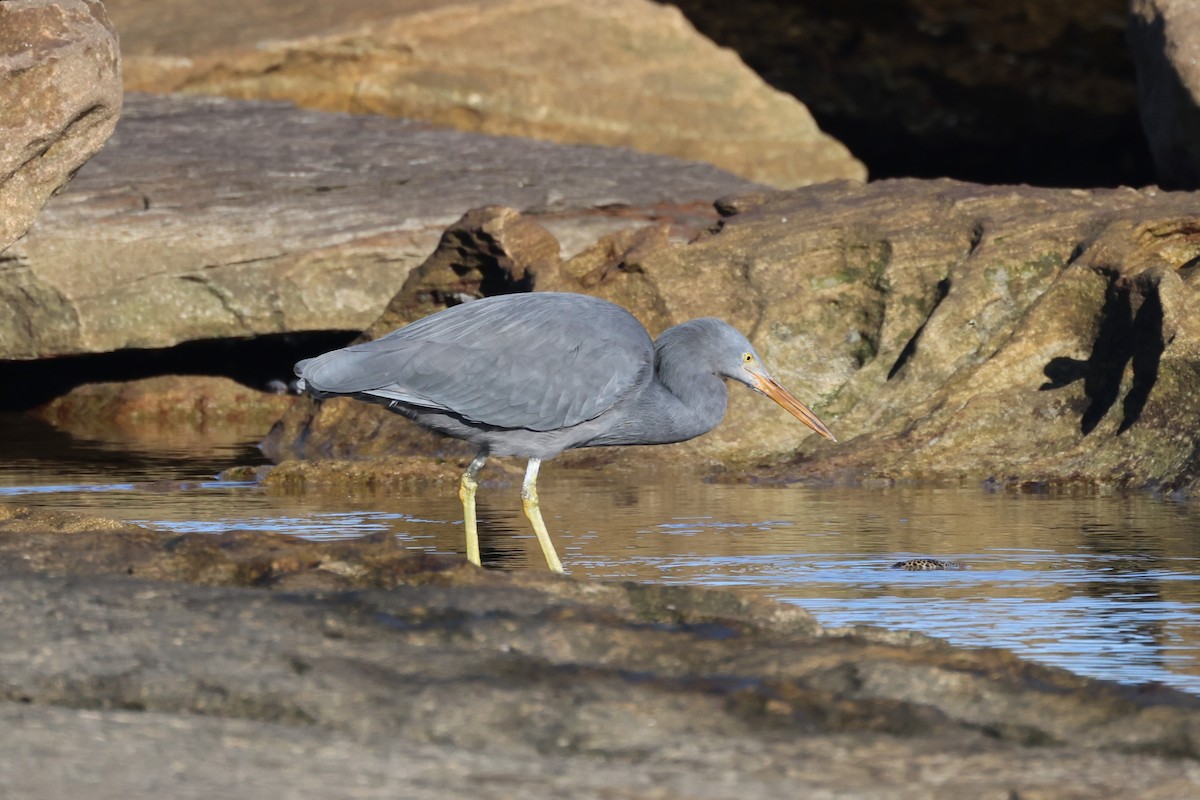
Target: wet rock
(1166,48)
(22,519)
(245,473)
(60,94)
(387,470)
(925,564)
(628,73)
(332,648)
(943,330)
(209,218)
(134,409)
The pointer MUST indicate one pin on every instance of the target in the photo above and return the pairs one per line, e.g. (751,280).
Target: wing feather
(540,361)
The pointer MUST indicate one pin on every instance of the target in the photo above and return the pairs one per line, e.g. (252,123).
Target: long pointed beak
(773,390)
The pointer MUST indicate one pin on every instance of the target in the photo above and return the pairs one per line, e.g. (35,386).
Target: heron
(534,374)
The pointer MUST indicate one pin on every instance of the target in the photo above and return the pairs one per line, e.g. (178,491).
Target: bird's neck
(686,399)
(691,404)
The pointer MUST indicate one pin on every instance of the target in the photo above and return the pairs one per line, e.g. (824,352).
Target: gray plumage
(535,374)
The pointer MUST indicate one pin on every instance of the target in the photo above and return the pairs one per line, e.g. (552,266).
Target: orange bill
(780,395)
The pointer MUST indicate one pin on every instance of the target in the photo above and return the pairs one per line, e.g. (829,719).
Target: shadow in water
(1126,338)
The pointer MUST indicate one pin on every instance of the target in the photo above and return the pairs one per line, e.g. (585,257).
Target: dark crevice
(1188,268)
(910,348)
(263,362)
(1130,334)
(977,232)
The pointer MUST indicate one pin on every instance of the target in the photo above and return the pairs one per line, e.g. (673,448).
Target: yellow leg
(529,501)
(466,493)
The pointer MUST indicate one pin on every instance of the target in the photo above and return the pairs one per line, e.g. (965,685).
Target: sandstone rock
(60,94)
(626,73)
(1166,49)
(210,218)
(362,662)
(163,407)
(943,330)
(386,470)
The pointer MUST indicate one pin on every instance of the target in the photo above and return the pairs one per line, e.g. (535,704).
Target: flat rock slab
(211,218)
(348,669)
(624,73)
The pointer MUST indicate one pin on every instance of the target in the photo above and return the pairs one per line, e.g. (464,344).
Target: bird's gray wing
(540,361)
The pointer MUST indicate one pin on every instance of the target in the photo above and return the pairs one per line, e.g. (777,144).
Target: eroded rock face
(626,73)
(209,218)
(124,638)
(943,330)
(60,94)
(1165,40)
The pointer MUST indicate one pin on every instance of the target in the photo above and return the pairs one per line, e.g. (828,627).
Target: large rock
(60,94)
(1165,38)
(942,330)
(365,673)
(165,408)
(211,218)
(628,73)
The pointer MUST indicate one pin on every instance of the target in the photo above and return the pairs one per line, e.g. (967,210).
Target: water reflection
(1107,586)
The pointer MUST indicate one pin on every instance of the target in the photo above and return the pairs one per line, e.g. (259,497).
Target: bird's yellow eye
(747,358)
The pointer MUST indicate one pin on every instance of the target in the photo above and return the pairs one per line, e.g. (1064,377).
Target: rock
(943,330)
(1033,336)
(386,470)
(1166,49)
(21,520)
(624,73)
(360,662)
(210,218)
(60,94)
(163,407)
(926,564)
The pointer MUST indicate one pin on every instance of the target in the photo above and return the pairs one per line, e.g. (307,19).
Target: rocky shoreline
(231,663)
(946,330)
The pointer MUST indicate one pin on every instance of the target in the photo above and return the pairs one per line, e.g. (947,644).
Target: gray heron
(534,374)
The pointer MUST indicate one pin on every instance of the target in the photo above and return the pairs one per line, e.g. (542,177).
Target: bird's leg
(529,501)
(466,493)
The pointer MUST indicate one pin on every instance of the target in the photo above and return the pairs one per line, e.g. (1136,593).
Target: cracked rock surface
(139,665)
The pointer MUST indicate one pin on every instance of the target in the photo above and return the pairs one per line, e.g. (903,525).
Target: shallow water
(1107,586)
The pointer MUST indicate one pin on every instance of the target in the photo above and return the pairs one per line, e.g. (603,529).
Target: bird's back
(539,361)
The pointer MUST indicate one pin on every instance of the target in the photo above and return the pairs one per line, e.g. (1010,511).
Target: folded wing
(540,361)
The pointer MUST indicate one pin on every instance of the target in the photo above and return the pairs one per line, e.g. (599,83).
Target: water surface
(1104,585)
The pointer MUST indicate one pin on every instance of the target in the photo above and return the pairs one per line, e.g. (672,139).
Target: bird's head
(730,355)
